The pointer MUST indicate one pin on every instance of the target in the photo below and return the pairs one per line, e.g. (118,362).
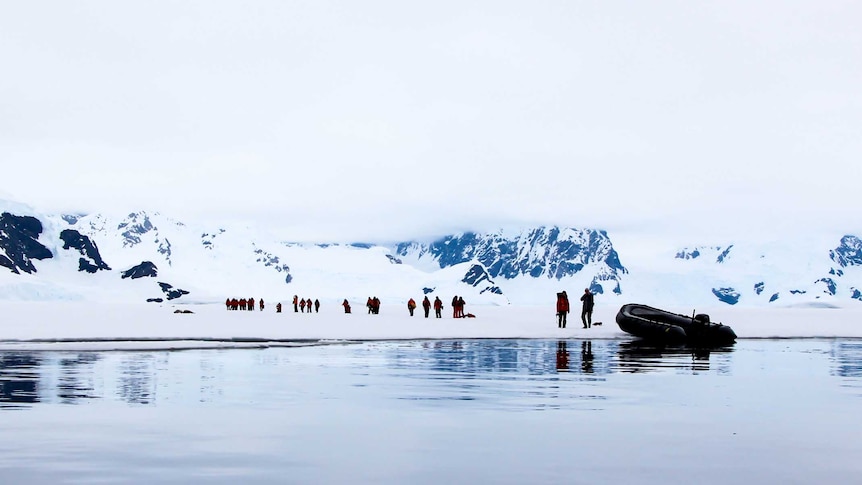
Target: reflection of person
(587,310)
(562,356)
(562,309)
(587,356)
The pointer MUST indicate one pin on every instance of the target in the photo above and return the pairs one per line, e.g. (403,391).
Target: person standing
(438,307)
(411,305)
(295,304)
(346,305)
(426,305)
(455,306)
(587,309)
(316,305)
(461,304)
(278,307)
(260,304)
(562,309)
(302,305)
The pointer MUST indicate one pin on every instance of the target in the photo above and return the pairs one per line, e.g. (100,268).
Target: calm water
(470,411)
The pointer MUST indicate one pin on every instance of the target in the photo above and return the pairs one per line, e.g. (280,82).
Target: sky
(386,119)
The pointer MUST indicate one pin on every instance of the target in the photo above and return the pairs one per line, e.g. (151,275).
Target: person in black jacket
(587,309)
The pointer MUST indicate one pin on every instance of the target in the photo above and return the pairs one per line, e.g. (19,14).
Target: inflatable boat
(658,325)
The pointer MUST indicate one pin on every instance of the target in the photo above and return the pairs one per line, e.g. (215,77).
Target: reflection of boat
(648,356)
(653,324)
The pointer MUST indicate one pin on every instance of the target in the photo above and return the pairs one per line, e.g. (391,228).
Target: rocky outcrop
(171,292)
(91,260)
(144,270)
(19,243)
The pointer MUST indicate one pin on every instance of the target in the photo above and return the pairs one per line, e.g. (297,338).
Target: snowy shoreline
(81,326)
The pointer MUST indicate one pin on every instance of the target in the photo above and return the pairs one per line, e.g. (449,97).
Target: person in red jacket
(438,307)
(562,309)
(302,305)
(346,305)
(411,305)
(426,305)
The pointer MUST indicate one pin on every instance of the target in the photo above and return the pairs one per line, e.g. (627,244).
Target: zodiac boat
(658,325)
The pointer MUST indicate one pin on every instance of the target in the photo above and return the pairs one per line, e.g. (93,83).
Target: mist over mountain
(143,256)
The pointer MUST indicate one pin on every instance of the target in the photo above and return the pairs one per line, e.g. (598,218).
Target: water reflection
(639,356)
(562,357)
(446,370)
(76,378)
(18,379)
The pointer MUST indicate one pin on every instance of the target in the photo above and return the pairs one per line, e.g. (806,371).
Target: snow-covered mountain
(150,256)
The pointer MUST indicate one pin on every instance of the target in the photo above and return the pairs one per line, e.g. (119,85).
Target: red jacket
(562,303)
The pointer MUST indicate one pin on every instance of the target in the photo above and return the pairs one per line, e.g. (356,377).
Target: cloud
(386,118)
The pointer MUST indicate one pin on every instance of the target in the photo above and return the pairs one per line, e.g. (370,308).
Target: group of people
(373,305)
(303,305)
(300,305)
(588,302)
(426,306)
(457,307)
(242,304)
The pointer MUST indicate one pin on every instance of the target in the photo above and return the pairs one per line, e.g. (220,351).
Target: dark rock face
(91,260)
(724,254)
(848,253)
(171,292)
(773,297)
(831,287)
(144,270)
(19,243)
(272,261)
(759,287)
(154,300)
(687,254)
(549,252)
(726,295)
(135,225)
(477,277)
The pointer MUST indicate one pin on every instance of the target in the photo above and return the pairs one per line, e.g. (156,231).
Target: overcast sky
(371,119)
